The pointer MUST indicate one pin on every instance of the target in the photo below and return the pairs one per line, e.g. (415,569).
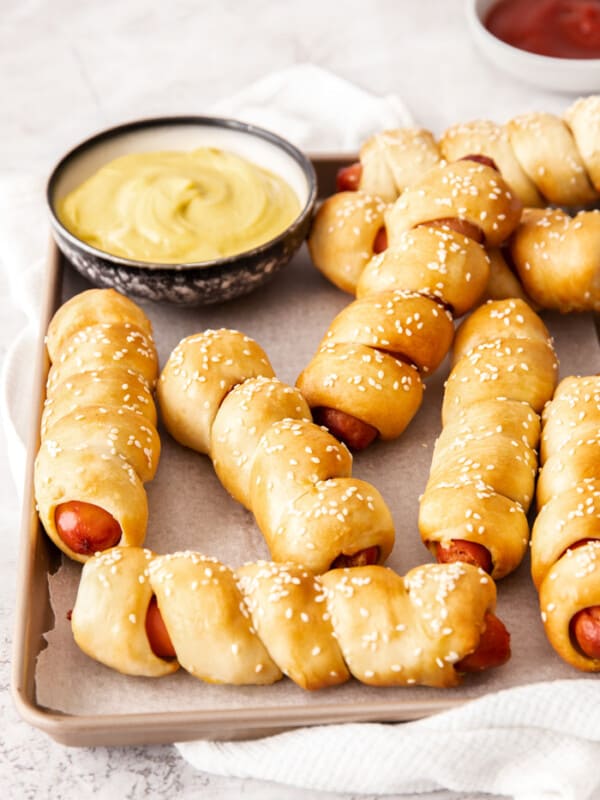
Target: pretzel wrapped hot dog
(98,437)
(218,395)
(484,462)
(391,161)
(537,153)
(365,381)
(544,158)
(265,620)
(565,552)
(557,258)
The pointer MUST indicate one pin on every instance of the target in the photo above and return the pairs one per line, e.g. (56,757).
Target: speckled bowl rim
(162,122)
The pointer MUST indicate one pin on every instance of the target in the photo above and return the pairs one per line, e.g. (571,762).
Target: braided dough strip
(395,159)
(218,395)
(99,443)
(254,624)
(565,552)
(405,297)
(484,462)
(543,158)
(557,258)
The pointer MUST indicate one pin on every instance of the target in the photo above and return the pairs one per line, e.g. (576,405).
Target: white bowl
(557,74)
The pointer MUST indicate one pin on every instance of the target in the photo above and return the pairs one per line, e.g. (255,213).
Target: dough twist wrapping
(98,437)
(545,159)
(366,379)
(393,160)
(557,258)
(264,620)
(219,396)
(485,462)
(565,540)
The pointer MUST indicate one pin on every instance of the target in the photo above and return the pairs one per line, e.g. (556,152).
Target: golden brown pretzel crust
(411,326)
(463,190)
(556,258)
(518,369)
(99,441)
(90,308)
(365,383)
(218,395)
(251,625)
(106,386)
(503,283)
(484,462)
(109,616)
(574,407)
(405,297)
(198,375)
(547,152)
(435,262)
(490,139)
(567,518)
(565,571)
(583,118)
(393,160)
(571,585)
(505,319)
(543,158)
(342,236)
(245,414)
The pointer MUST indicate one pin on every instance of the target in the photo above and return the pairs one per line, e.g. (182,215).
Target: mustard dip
(179,207)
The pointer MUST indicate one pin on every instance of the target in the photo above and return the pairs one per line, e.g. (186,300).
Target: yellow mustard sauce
(179,207)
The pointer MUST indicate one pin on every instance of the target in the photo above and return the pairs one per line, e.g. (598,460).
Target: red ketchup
(558,28)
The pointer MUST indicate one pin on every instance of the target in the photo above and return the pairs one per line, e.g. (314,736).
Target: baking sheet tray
(79,702)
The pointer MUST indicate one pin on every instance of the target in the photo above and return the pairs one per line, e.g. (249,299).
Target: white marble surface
(68,68)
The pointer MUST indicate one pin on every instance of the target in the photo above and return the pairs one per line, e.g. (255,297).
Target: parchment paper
(189,509)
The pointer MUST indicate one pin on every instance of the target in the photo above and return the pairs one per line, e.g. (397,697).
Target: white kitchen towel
(317,110)
(537,742)
(314,108)
(24,235)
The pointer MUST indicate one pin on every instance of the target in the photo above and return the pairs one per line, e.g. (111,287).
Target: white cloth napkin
(317,110)
(538,742)
(531,743)
(24,235)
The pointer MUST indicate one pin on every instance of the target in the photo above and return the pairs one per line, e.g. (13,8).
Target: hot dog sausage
(480,159)
(157,632)
(585,629)
(380,242)
(468,552)
(348,178)
(460,226)
(585,625)
(355,433)
(493,649)
(85,527)
(361,559)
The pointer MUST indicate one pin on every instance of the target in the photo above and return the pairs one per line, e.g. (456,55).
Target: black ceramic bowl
(187,283)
